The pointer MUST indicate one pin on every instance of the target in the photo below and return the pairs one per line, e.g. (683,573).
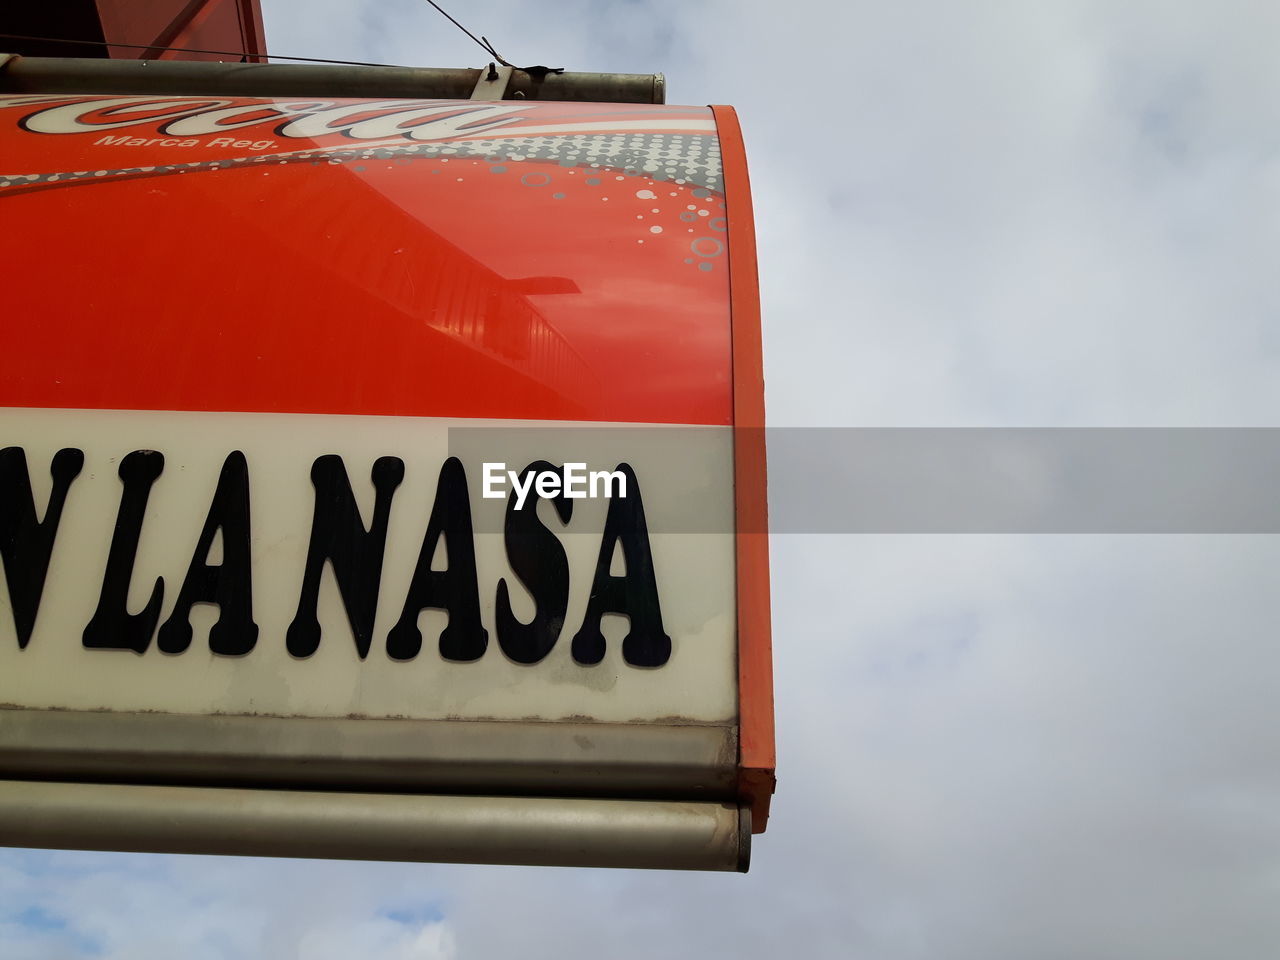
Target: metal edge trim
(352,826)
(568,758)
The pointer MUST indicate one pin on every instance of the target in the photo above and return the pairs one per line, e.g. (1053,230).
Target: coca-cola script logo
(57,141)
(412,120)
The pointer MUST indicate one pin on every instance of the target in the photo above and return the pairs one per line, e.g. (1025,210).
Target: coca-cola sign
(413,120)
(303,401)
(153,136)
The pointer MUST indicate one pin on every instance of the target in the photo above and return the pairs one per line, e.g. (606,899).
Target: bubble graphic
(535,179)
(646,195)
(656,230)
(707,247)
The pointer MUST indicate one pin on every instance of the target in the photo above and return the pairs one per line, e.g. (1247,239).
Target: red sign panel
(505,261)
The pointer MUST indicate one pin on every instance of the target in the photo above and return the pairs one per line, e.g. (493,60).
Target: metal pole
(667,835)
(57,75)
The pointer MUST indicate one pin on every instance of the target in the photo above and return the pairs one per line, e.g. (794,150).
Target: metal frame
(482,791)
(70,75)
(689,762)
(371,826)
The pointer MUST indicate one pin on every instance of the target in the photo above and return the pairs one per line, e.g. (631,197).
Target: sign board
(382,459)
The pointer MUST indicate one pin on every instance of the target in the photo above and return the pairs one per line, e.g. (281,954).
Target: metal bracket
(493,83)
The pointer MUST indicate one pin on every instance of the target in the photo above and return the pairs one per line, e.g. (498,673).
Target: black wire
(483,42)
(222,53)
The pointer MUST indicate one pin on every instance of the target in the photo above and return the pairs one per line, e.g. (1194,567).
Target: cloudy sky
(998,747)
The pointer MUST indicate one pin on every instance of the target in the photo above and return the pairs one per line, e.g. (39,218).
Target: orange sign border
(757,753)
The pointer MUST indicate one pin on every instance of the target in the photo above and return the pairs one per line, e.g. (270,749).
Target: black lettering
(454,589)
(25,542)
(113,627)
(538,559)
(635,594)
(355,554)
(228,584)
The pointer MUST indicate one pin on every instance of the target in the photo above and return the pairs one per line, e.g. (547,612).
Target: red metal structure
(99,28)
